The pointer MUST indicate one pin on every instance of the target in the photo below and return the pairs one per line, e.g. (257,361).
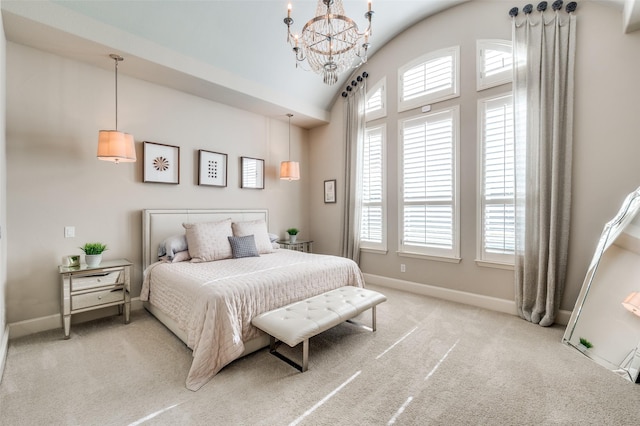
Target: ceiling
(229,51)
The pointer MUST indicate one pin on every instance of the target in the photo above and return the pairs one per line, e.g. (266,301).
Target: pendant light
(290,170)
(113,145)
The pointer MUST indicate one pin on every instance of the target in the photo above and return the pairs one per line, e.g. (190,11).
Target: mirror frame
(251,173)
(626,214)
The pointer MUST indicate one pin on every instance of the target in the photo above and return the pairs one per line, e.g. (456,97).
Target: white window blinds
(429,184)
(494,63)
(373,227)
(431,78)
(376,103)
(497,169)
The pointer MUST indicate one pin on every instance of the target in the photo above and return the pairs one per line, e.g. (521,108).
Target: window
(376,106)
(429,217)
(494,63)
(373,222)
(497,192)
(430,78)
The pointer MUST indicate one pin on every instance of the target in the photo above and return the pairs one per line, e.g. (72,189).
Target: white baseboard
(51,322)
(481,301)
(4,347)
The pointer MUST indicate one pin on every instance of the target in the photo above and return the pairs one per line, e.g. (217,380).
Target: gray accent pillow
(243,246)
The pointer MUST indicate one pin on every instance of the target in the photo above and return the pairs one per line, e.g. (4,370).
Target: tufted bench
(301,320)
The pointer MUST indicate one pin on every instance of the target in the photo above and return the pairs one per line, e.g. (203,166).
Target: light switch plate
(69,231)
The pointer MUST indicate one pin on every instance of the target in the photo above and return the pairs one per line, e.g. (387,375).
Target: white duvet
(214,302)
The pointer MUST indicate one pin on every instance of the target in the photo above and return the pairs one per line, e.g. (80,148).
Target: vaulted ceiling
(229,51)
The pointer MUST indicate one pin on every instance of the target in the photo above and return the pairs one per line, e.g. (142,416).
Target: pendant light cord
(289,115)
(116,58)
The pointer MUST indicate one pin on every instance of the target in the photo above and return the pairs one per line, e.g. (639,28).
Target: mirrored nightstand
(299,245)
(85,288)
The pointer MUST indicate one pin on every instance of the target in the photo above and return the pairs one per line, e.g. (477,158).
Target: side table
(300,245)
(85,288)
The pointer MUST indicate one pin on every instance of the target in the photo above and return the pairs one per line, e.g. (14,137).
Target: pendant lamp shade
(290,170)
(114,145)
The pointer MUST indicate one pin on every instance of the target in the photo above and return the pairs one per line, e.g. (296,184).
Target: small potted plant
(93,253)
(584,344)
(293,234)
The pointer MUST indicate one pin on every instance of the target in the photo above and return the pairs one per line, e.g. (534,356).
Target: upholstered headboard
(160,224)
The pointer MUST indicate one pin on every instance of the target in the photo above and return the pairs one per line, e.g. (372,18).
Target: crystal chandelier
(330,42)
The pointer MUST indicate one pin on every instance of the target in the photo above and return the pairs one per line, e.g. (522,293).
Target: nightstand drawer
(97,298)
(87,282)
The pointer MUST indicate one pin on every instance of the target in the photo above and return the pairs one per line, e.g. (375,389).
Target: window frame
(382,112)
(483,258)
(500,78)
(380,247)
(429,98)
(406,250)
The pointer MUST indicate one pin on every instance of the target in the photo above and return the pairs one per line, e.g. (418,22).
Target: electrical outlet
(403,267)
(69,231)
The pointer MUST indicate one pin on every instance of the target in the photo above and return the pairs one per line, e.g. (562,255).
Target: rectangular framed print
(212,168)
(252,173)
(330,191)
(161,163)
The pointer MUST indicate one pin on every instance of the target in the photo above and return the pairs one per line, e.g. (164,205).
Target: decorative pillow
(257,228)
(208,240)
(181,256)
(243,246)
(172,245)
(273,237)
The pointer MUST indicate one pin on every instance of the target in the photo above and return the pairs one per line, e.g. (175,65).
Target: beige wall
(606,145)
(3,201)
(55,107)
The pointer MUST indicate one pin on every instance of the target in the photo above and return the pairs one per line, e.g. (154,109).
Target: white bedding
(214,302)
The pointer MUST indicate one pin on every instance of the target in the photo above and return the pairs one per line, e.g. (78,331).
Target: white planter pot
(292,238)
(93,260)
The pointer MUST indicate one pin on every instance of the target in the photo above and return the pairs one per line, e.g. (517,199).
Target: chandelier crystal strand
(330,42)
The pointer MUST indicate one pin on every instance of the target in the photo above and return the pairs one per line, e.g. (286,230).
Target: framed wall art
(161,163)
(330,191)
(212,168)
(252,173)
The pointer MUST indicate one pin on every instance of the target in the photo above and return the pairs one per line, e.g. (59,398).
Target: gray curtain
(354,118)
(544,51)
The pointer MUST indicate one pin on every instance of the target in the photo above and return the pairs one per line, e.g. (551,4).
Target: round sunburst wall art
(161,164)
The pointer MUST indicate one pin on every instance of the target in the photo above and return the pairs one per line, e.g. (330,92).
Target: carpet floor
(431,362)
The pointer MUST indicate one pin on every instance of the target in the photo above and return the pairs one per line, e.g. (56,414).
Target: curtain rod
(542,6)
(354,83)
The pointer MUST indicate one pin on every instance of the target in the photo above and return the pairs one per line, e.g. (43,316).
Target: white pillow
(208,240)
(257,228)
(172,245)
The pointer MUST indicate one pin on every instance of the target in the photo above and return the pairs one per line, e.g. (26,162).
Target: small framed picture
(161,163)
(330,191)
(252,173)
(212,169)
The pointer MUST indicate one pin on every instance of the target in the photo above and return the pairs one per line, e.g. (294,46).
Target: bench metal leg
(273,349)
(366,327)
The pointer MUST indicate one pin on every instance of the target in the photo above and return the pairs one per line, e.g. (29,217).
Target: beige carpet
(431,362)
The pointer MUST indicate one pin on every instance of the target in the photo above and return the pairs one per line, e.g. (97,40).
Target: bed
(209,300)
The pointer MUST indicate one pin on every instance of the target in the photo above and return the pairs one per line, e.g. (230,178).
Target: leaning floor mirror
(605,323)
